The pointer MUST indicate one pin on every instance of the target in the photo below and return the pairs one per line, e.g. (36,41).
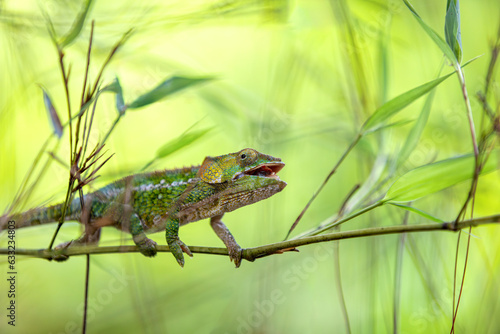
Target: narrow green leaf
(452,32)
(393,106)
(166,88)
(176,144)
(116,88)
(56,122)
(181,141)
(431,178)
(50,26)
(438,40)
(109,88)
(384,126)
(418,211)
(77,26)
(416,131)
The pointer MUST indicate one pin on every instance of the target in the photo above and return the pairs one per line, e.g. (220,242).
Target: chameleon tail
(42,215)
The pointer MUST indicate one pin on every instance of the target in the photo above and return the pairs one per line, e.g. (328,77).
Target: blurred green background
(294,80)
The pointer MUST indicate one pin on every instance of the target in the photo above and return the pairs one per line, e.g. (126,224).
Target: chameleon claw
(235,255)
(177,247)
(59,257)
(147,247)
(186,249)
(181,262)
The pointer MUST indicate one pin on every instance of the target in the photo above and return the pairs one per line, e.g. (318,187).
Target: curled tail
(43,215)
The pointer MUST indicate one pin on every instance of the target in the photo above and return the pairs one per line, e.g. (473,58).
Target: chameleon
(165,200)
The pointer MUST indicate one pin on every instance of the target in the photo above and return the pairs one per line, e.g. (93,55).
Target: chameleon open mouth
(265,170)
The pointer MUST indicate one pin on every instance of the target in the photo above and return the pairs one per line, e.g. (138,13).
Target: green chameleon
(164,200)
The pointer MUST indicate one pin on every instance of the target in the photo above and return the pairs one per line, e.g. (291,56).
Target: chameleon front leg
(227,238)
(174,243)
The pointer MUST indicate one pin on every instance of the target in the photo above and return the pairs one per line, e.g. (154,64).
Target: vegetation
(359,99)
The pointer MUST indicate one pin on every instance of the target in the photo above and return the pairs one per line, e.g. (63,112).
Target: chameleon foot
(58,256)
(147,247)
(235,255)
(177,247)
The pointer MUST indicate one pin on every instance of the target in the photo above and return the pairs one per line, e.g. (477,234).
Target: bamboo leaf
(452,32)
(180,142)
(176,144)
(116,88)
(438,40)
(56,122)
(166,88)
(77,26)
(431,178)
(418,211)
(109,88)
(393,106)
(417,129)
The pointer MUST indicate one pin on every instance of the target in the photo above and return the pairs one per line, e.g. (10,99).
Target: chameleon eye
(243,156)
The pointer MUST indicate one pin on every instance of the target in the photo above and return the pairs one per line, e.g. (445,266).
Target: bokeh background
(294,79)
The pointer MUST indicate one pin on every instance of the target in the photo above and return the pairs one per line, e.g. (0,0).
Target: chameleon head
(232,166)
(255,179)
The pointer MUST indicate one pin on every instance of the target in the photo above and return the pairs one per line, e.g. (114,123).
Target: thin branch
(397,278)
(344,155)
(110,56)
(251,254)
(336,262)
(68,102)
(340,291)
(86,298)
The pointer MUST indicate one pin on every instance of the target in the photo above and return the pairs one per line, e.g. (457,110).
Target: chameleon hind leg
(90,236)
(175,244)
(227,238)
(146,246)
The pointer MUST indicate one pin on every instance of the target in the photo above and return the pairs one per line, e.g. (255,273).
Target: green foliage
(116,88)
(77,26)
(298,88)
(431,178)
(178,143)
(438,40)
(56,122)
(452,28)
(166,88)
(418,212)
(395,105)
(416,131)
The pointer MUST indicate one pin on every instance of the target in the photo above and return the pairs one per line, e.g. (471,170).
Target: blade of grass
(390,108)
(77,26)
(166,88)
(176,144)
(452,32)
(438,40)
(417,211)
(416,131)
(430,178)
(49,106)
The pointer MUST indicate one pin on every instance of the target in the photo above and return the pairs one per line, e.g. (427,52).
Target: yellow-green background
(290,82)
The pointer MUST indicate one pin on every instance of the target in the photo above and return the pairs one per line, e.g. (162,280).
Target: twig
(251,254)
(397,278)
(344,155)
(86,297)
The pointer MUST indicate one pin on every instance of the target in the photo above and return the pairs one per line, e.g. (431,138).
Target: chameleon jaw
(268,170)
